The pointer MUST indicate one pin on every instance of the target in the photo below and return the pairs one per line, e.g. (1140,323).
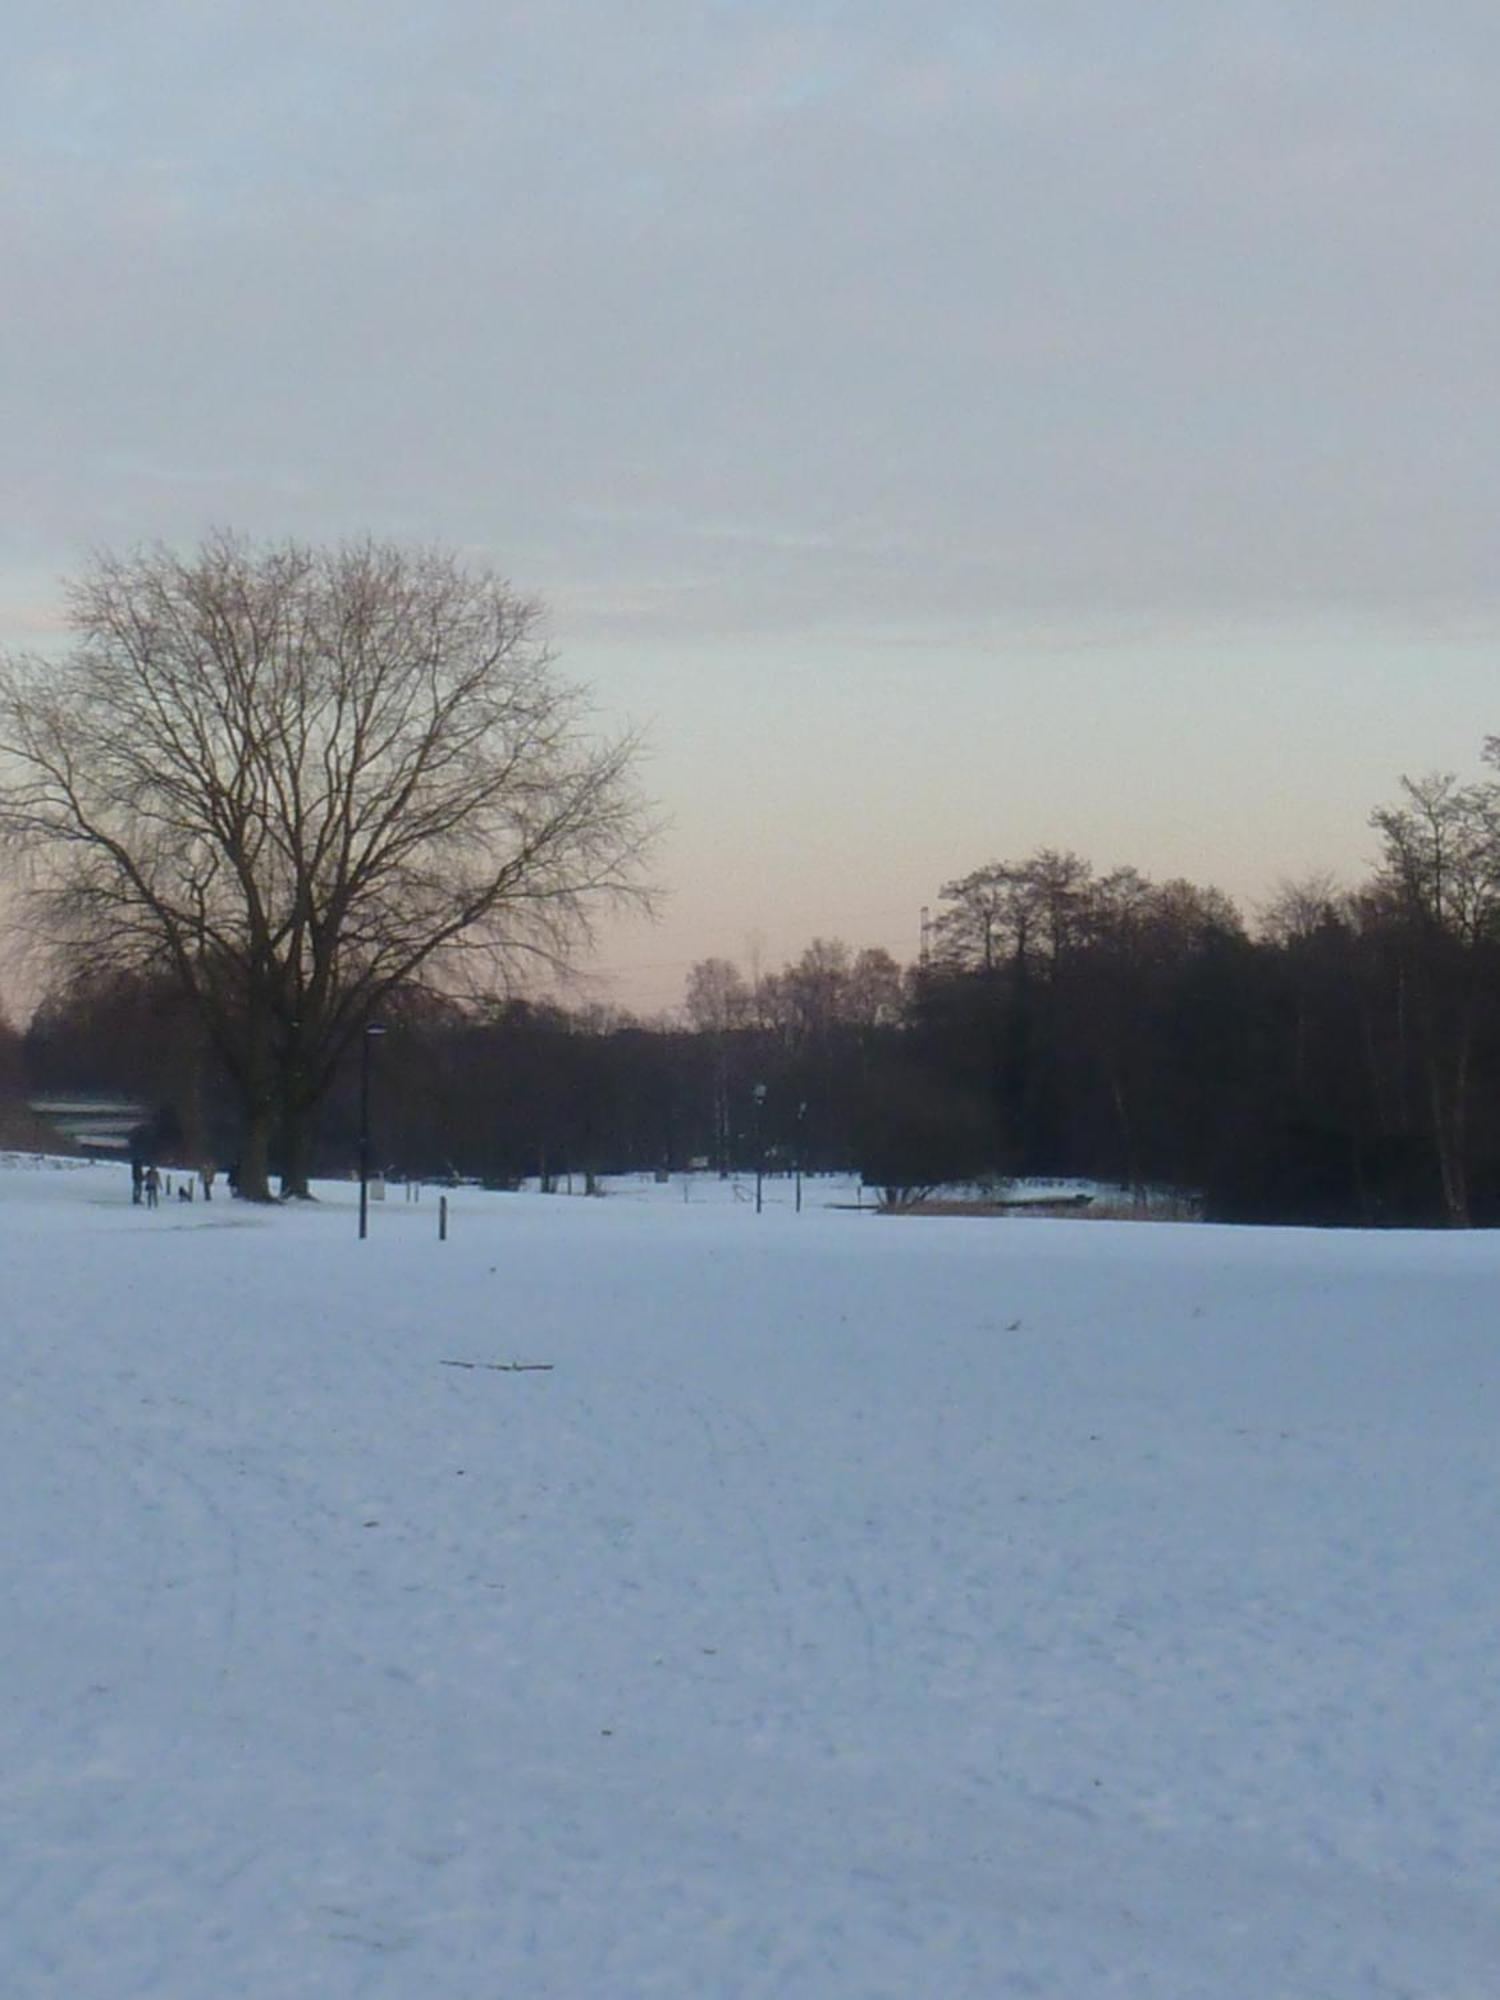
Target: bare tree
(876,992)
(810,996)
(719,1004)
(717,999)
(1441,880)
(1301,908)
(1023,911)
(971,932)
(300,779)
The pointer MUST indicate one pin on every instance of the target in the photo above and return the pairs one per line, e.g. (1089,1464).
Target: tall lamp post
(366,1040)
(759,1094)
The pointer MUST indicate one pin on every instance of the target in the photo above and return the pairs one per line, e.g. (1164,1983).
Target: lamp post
(758,1092)
(372,1029)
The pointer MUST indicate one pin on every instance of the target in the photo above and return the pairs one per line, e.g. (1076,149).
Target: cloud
(940,314)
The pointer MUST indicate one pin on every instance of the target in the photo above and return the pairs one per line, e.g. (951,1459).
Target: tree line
(276,794)
(1337,1064)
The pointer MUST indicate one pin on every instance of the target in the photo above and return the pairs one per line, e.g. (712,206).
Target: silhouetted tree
(1441,881)
(296,779)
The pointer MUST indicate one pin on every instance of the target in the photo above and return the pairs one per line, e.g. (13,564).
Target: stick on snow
(504,1367)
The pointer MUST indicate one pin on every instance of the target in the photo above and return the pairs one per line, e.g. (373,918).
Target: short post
(442,1218)
(759,1094)
(372,1029)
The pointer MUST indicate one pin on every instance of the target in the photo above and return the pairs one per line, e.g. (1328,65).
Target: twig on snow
(504,1367)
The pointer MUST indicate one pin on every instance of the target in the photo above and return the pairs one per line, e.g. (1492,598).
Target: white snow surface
(854,1606)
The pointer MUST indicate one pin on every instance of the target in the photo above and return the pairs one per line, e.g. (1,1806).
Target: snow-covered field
(852,1606)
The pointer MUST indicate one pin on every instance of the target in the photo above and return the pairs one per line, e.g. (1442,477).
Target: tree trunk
(1132,1176)
(1448,1122)
(253,1170)
(296,1152)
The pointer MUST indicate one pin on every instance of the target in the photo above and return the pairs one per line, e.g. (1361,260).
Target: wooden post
(442,1218)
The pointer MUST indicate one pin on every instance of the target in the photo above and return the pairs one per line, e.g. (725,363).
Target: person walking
(153,1187)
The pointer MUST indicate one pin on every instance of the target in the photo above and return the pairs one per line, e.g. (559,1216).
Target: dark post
(372,1029)
(801,1115)
(759,1094)
(442,1218)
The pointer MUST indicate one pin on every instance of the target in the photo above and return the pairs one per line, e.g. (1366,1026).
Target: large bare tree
(299,779)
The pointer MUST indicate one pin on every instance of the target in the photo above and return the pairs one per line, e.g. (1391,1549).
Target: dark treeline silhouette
(1337,1066)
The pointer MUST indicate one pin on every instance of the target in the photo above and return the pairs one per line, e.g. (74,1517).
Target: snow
(855,1606)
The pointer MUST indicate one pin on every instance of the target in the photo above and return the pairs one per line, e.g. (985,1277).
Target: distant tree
(717,999)
(12,1078)
(1032,911)
(876,993)
(720,1005)
(1440,884)
(811,994)
(916,1132)
(971,933)
(1013,929)
(1299,909)
(299,779)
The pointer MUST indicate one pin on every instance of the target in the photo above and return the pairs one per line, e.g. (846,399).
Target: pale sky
(946,428)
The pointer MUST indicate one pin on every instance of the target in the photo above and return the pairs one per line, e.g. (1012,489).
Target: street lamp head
(374,1027)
